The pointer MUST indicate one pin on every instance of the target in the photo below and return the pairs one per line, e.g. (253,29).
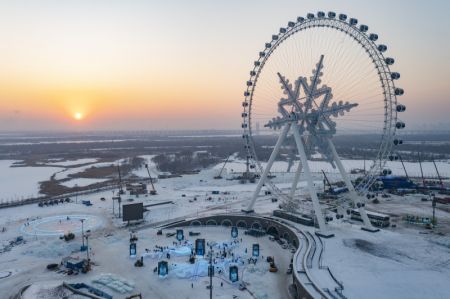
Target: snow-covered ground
(18,182)
(388,264)
(394,263)
(73,170)
(142,172)
(413,169)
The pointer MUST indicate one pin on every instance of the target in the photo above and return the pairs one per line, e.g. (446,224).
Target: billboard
(133,250)
(133,211)
(200,246)
(234,274)
(163,268)
(255,250)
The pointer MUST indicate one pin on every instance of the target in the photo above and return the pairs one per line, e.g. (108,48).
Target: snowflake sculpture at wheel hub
(358,76)
(310,118)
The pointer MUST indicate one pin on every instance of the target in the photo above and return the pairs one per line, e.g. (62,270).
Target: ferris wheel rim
(379,61)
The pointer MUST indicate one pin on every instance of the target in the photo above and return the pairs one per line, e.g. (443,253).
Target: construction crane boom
(219,176)
(404,168)
(120,181)
(439,176)
(326,178)
(153,191)
(421,170)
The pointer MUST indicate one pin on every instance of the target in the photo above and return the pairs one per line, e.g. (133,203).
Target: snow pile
(173,251)
(51,250)
(200,268)
(46,290)
(181,251)
(115,283)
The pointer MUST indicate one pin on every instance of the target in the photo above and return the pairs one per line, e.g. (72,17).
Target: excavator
(153,191)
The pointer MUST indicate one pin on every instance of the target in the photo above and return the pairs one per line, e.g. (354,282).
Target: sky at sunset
(151,65)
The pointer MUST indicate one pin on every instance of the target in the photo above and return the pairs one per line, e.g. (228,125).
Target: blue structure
(234,232)
(73,264)
(200,246)
(255,250)
(163,268)
(180,235)
(234,274)
(91,290)
(133,250)
(396,182)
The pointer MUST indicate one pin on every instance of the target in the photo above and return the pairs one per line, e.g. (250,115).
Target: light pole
(210,271)
(87,248)
(433,203)
(82,230)
(76,193)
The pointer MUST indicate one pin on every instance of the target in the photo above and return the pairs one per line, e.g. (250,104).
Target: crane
(291,159)
(120,181)
(328,182)
(439,176)
(421,170)
(153,191)
(219,176)
(404,168)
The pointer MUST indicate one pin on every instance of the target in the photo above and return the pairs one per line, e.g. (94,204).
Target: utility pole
(76,193)
(82,230)
(433,204)
(87,250)
(210,271)
(119,200)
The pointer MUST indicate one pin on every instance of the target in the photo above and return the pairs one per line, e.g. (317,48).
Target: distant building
(136,189)
(73,263)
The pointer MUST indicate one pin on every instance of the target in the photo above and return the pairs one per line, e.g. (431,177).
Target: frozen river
(18,182)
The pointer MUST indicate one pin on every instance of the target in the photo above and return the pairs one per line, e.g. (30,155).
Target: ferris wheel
(321,80)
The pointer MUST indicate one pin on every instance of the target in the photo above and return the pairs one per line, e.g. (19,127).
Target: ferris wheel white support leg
(309,179)
(266,171)
(295,182)
(353,195)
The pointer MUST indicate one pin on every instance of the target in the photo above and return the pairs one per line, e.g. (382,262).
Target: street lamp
(433,204)
(76,193)
(87,248)
(82,230)
(210,271)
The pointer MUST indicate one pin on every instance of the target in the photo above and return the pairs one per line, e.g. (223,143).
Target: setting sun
(78,116)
